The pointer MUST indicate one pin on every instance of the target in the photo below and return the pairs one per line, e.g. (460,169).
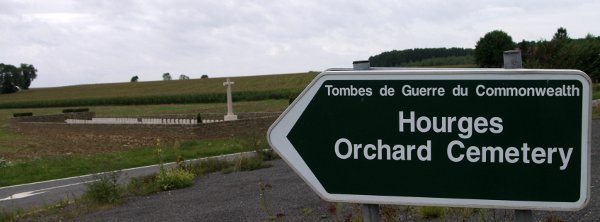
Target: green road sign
(474,138)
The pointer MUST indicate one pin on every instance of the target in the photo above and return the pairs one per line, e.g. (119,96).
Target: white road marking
(40,191)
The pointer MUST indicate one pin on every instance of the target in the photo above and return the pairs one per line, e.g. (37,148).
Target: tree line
(413,57)
(13,78)
(561,52)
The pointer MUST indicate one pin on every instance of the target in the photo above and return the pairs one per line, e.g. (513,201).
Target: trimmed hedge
(22,114)
(76,110)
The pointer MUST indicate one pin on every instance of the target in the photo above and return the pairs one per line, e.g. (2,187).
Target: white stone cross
(230,116)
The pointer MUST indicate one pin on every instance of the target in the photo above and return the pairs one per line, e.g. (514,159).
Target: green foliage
(247,88)
(175,178)
(431,212)
(183,77)
(249,164)
(134,79)
(76,110)
(211,165)
(490,48)
(266,154)
(22,114)
(12,78)
(141,186)
(105,189)
(564,53)
(442,61)
(402,57)
(204,77)
(3,162)
(166,76)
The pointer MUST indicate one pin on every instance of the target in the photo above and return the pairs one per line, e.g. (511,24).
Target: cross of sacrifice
(230,116)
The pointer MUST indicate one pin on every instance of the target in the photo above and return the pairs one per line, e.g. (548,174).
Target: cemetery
(85,128)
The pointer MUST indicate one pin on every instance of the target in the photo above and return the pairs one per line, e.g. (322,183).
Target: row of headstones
(139,121)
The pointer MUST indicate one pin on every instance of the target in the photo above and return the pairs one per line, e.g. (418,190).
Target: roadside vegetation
(106,191)
(75,165)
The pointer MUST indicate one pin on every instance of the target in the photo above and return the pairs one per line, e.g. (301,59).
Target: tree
(560,35)
(166,76)
(134,79)
(13,78)
(28,73)
(490,48)
(183,77)
(10,77)
(204,76)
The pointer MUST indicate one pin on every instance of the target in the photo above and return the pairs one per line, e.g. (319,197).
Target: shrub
(105,189)
(431,212)
(175,178)
(22,114)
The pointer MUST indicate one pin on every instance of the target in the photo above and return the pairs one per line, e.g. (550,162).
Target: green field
(248,88)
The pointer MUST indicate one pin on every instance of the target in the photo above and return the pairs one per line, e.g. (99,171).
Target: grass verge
(105,192)
(75,165)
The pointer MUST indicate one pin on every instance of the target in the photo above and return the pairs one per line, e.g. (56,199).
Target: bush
(431,212)
(22,114)
(175,178)
(105,189)
(79,110)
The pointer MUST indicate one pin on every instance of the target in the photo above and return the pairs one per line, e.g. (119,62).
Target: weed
(141,186)
(267,155)
(8,215)
(553,218)
(175,178)
(210,165)
(249,164)
(431,212)
(390,213)
(3,162)
(104,189)
(307,211)
(264,190)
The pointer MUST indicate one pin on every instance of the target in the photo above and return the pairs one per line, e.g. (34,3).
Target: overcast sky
(85,42)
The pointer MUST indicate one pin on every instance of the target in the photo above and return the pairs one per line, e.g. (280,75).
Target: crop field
(211,90)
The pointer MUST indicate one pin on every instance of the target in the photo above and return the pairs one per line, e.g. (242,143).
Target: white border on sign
(277,135)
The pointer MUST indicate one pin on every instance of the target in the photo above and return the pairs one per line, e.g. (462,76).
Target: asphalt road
(27,196)
(240,196)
